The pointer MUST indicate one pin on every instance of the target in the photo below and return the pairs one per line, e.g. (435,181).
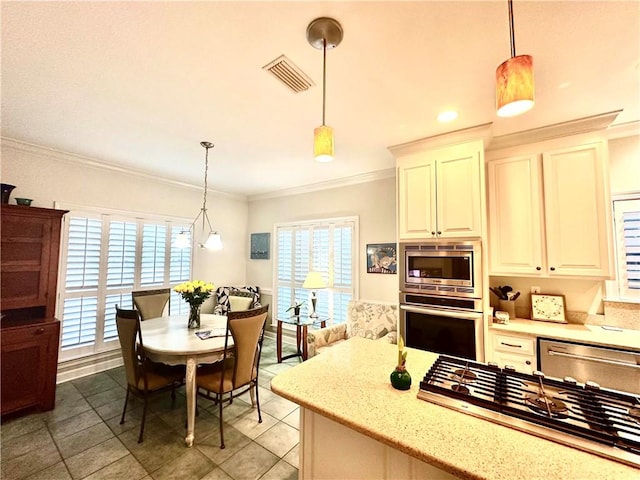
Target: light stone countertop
(594,334)
(349,383)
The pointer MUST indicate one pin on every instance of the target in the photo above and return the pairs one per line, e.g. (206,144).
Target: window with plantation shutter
(154,239)
(105,257)
(627,222)
(326,246)
(179,270)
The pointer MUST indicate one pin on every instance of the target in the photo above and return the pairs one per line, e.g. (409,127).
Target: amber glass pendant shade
(323,144)
(515,86)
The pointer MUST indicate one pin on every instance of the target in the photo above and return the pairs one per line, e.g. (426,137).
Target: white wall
(624,163)
(48,176)
(373,202)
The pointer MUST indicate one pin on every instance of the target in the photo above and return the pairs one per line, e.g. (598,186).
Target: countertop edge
(585,333)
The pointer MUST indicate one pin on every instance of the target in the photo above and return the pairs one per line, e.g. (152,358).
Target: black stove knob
(538,373)
(570,380)
(510,368)
(591,385)
(493,365)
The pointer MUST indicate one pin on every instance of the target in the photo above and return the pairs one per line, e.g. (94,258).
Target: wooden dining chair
(237,373)
(151,303)
(144,377)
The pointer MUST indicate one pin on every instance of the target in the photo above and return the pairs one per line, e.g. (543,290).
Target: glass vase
(194,316)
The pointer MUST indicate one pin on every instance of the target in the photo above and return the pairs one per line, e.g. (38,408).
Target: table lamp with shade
(313,282)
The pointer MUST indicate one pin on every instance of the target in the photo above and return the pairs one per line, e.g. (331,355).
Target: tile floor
(82,437)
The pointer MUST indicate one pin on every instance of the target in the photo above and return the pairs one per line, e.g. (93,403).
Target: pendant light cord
(324,77)
(513,38)
(206,171)
(205,216)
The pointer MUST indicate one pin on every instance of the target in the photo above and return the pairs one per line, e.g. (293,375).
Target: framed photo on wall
(381,258)
(260,246)
(548,308)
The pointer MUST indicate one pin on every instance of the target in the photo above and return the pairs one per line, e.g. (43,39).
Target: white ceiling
(140,84)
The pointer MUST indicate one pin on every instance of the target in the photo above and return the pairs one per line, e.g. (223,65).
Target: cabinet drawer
(21,334)
(509,344)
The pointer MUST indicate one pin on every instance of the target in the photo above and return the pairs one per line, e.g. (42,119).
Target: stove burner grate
(546,405)
(457,387)
(464,375)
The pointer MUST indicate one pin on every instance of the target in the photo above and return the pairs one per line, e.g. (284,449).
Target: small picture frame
(548,308)
(260,246)
(381,258)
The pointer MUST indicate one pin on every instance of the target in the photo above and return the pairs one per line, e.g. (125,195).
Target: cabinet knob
(538,268)
(552,268)
(433,233)
(439,233)
(528,362)
(39,331)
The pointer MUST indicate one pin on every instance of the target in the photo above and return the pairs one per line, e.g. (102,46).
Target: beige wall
(624,162)
(49,177)
(373,202)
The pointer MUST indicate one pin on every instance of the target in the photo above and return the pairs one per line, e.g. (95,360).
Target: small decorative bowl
(24,201)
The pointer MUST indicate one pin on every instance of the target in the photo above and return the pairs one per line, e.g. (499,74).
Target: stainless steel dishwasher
(609,367)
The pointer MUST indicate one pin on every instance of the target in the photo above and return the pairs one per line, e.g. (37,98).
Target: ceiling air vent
(284,70)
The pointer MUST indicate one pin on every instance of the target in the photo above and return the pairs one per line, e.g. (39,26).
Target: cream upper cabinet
(548,213)
(577,217)
(439,192)
(515,216)
(416,197)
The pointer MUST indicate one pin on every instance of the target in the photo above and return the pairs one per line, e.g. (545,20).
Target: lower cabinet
(515,350)
(332,451)
(29,365)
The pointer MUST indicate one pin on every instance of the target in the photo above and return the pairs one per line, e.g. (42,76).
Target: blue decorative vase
(6,191)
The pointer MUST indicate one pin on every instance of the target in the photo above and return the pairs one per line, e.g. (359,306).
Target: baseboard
(81,367)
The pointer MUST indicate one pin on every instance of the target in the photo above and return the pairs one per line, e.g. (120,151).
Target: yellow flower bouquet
(195,292)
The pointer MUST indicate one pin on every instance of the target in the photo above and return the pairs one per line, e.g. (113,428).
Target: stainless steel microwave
(437,268)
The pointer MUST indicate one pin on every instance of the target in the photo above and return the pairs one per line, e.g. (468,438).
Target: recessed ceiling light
(448,116)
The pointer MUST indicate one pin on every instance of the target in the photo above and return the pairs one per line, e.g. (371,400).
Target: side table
(301,323)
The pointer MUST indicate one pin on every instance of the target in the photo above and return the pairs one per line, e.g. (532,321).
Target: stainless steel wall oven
(441,308)
(435,268)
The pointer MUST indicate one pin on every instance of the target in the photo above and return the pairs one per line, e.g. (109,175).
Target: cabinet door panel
(416,197)
(515,205)
(576,218)
(458,194)
(25,261)
(23,378)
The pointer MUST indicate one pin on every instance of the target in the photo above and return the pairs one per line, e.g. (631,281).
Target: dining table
(168,340)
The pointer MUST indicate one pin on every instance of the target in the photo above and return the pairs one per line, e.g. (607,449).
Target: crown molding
(74,159)
(623,130)
(479,132)
(557,130)
(314,187)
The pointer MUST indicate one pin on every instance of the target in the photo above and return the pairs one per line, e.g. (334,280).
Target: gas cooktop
(599,421)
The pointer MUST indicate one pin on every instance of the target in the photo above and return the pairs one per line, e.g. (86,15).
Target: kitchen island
(355,425)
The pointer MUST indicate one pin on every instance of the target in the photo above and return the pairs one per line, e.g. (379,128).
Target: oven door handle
(593,359)
(443,313)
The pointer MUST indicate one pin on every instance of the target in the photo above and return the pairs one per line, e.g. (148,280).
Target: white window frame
(106,215)
(325,293)
(620,205)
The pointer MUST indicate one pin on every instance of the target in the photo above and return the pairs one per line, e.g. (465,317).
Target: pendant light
(324,33)
(212,240)
(514,80)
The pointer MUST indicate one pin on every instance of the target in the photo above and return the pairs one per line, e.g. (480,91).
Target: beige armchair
(364,319)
